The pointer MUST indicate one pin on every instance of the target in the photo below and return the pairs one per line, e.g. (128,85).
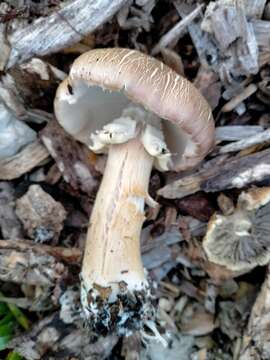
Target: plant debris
(205,246)
(41,215)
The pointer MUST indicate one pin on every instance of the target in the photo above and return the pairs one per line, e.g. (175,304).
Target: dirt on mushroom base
(131,311)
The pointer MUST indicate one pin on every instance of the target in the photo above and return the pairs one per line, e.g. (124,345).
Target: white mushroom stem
(115,292)
(112,252)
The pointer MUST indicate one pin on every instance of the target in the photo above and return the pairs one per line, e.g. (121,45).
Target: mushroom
(241,241)
(143,114)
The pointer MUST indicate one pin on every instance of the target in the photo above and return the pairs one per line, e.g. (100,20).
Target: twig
(175,33)
(237,100)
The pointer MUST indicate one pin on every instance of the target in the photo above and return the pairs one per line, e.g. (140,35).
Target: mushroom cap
(241,241)
(102,82)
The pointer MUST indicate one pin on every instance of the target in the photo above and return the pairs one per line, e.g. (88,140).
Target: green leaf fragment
(14,356)
(19,315)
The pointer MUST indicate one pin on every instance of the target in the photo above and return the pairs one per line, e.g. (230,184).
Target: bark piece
(261,30)
(41,338)
(156,257)
(9,223)
(236,132)
(39,271)
(64,27)
(255,8)
(234,36)
(31,84)
(40,214)
(5,49)
(35,82)
(200,323)
(26,267)
(169,237)
(224,38)
(136,17)
(73,159)
(206,49)
(261,138)
(256,340)
(197,206)
(236,172)
(66,255)
(52,338)
(27,159)
(10,96)
(233,315)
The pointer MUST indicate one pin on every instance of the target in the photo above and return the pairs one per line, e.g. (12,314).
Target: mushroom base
(129,312)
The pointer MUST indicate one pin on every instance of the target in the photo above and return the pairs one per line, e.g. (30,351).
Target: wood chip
(261,138)
(74,160)
(207,51)
(5,49)
(199,324)
(67,255)
(64,27)
(26,267)
(197,205)
(31,156)
(233,133)
(173,35)
(235,173)
(261,30)
(52,337)
(254,8)
(9,222)
(256,340)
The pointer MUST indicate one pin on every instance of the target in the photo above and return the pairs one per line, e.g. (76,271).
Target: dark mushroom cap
(241,241)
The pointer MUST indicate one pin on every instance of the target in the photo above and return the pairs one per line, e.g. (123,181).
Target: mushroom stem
(115,290)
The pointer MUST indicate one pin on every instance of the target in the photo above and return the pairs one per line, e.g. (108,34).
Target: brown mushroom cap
(103,81)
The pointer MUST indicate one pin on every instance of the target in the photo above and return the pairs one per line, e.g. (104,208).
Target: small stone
(14,134)
(225,204)
(41,215)
(165,304)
